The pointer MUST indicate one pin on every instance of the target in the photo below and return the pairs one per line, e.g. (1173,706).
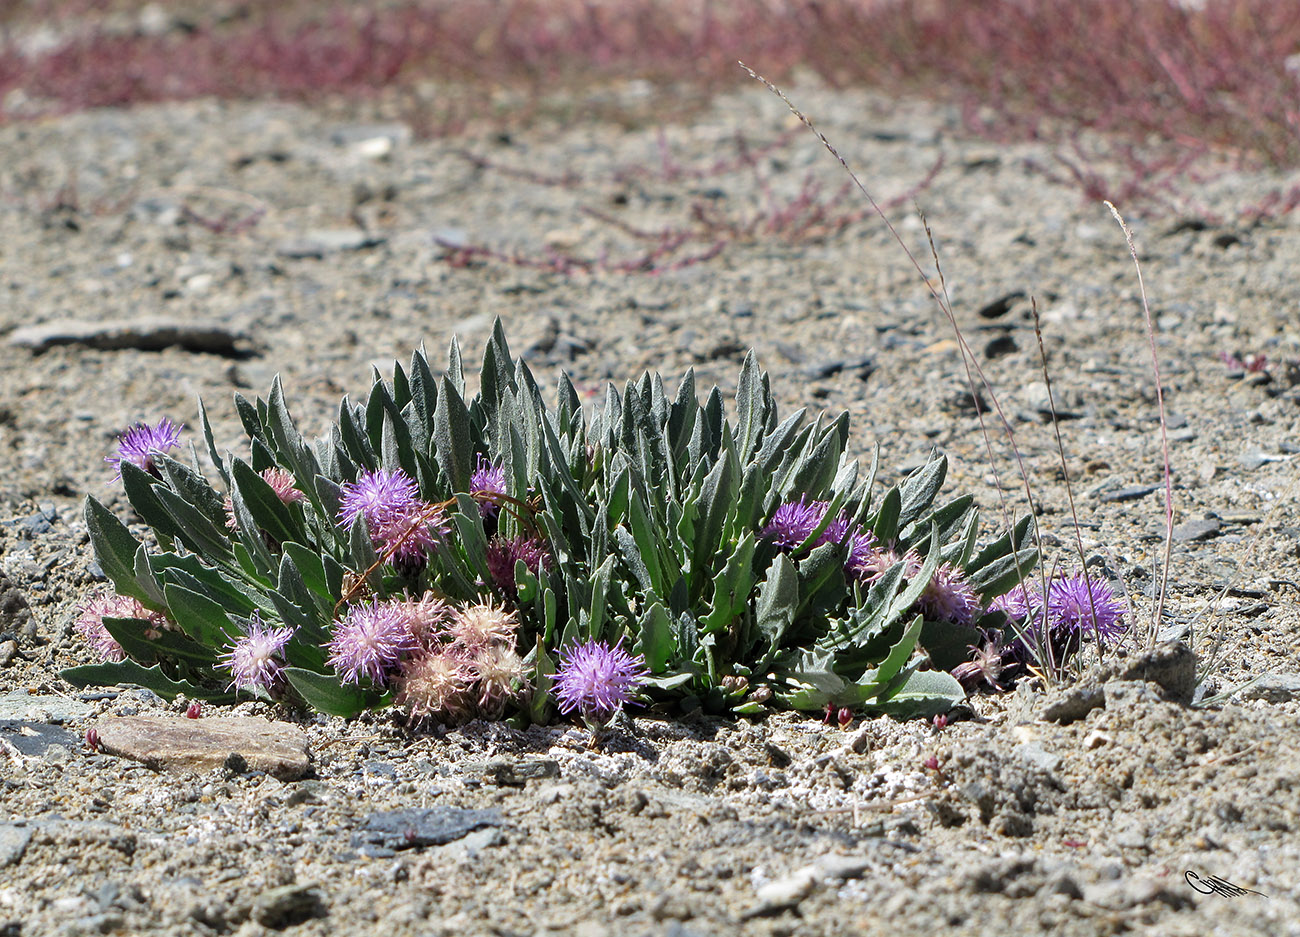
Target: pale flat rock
(148,333)
(243,743)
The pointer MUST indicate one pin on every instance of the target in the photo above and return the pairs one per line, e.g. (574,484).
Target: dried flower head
(256,659)
(138,444)
(432,683)
(426,617)
(281,482)
(90,622)
(597,679)
(369,642)
(871,564)
(499,672)
(1079,605)
(490,479)
(482,625)
(503,554)
(985,666)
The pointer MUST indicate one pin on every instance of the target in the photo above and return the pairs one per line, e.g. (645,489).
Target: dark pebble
(1131,493)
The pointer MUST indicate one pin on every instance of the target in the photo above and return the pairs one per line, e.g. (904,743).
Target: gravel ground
(335,256)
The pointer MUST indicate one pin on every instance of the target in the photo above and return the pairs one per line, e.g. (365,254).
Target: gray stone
(1273,688)
(1171,666)
(23,706)
(278,908)
(1201,529)
(517,771)
(317,244)
(39,739)
(412,828)
(1131,493)
(241,743)
(148,333)
(1072,704)
(13,843)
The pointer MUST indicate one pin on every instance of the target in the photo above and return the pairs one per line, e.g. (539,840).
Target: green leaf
(268,512)
(885,523)
(139,487)
(311,566)
(168,646)
(200,617)
(543,671)
(732,587)
(325,693)
(920,488)
(948,644)
(211,444)
(453,445)
(130,673)
(114,550)
(924,693)
(778,600)
(654,640)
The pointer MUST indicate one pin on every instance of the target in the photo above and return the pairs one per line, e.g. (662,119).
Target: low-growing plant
(443,553)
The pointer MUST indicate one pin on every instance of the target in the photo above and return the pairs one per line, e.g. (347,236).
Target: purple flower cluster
(90,622)
(256,660)
(793,522)
(441,660)
(503,554)
(1077,606)
(487,479)
(138,444)
(597,680)
(397,519)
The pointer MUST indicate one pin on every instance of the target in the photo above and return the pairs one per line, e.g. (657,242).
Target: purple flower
(1077,605)
(949,597)
(370,640)
(597,679)
(793,522)
(397,519)
(502,554)
(256,660)
(90,622)
(487,478)
(139,442)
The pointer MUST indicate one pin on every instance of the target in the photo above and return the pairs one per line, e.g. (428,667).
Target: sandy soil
(693,826)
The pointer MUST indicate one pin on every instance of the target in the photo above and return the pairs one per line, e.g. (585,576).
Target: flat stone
(318,244)
(148,333)
(1200,529)
(36,739)
(243,743)
(1131,493)
(413,827)
(13,843)
(21,706)
(1072,704)
(517,771)
(1273,688)
(287,905)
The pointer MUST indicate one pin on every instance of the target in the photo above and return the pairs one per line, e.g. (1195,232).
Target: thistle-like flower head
(985,666)
(90,622)
(138,444)
(499,673)
(434,682)
(426,618)
(381,497)
(793,522)
(502,554)
(949,597)
(482,625)
(281,482)
(256,660)
(487,478)
(370,641)
(597,679)
(1083,605)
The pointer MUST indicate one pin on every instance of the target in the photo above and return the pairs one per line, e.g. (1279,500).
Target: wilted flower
(597,679)
(256,660)
(90,622)
(872,564)
(503,554)
(985,666)
(138,444)
(1078,605)
(487,478)
(434,682)
(426,617)
(370,640)
(482,625)
(499,672)
(281,482)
